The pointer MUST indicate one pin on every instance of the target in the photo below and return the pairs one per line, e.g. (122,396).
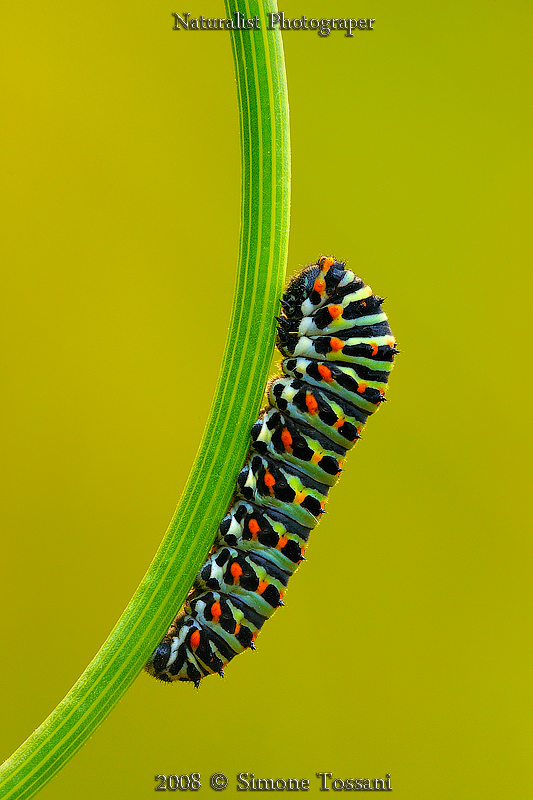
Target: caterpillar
(338,351)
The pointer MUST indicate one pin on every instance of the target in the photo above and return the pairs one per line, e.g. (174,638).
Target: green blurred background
(404,647)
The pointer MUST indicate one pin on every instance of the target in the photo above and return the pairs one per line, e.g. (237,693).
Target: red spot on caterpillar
(336,344)
(236,571)
(311,403)
(253,527)
(363,304)
(195,639)
(286,438)
(216,611)
(325,373)
(374,347)
(335,311)
(361,388)
(269,481)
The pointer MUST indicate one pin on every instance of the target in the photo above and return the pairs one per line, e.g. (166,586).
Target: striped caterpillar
(338,351)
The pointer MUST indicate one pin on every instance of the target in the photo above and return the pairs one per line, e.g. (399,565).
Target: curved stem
(262,95)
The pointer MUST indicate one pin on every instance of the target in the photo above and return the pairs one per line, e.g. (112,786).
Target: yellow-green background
(404,646)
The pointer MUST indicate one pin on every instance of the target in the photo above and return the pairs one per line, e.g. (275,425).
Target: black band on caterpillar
(339,351)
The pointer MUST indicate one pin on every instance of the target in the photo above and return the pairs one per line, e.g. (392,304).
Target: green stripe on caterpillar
(338,352)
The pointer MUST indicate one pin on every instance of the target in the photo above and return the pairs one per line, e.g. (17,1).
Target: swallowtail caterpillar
(338,352)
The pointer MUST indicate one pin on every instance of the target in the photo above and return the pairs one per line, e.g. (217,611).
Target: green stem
(264,122)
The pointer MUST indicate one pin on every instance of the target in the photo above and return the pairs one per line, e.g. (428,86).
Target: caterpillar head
(310,288)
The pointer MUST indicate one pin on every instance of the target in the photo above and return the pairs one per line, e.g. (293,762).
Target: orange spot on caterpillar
(363,304)
(327,263)
(336,344)
(311,403)
(299,497)
(361,388)
(195,639)
(282,541)
(237,629)
(325,373)
(316,458)
(262,586)
(286,438)
(335,311)
(216,611)
(374,347)
(236,571)
(269,481)
(319,285)
(253,527)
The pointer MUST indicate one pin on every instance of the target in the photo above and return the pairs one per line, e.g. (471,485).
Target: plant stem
(265,159)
